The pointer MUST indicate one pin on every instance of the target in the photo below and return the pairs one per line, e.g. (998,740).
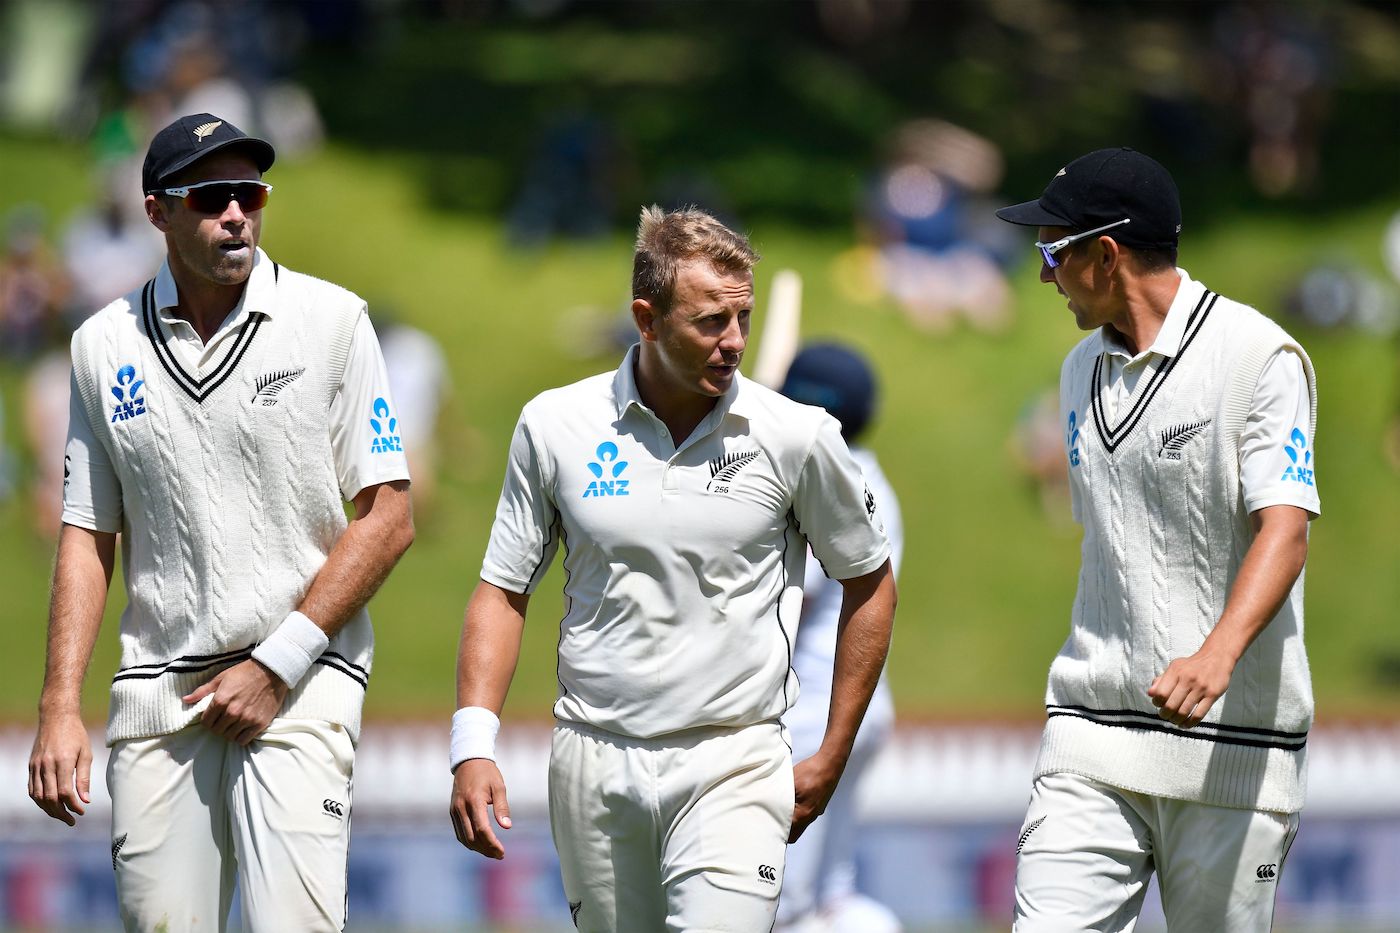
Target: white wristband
(292,648)
(474,731)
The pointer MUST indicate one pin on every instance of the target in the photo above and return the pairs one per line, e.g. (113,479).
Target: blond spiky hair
(665,239)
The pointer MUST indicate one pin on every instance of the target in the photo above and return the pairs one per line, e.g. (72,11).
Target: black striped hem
(1249,736)
(195,663)
(186,664)
(1113,437)
(197,389)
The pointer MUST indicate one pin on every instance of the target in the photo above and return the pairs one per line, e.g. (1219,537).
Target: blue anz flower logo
(386,429)
(608,463)
(1300,470)
(1072,439)
(129,404)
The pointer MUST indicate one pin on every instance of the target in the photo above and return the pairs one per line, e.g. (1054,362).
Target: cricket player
(819,891)
(221,415)
(1180,704)
(684,497)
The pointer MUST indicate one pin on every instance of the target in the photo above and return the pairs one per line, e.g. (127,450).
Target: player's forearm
(82,573)
(490,647)
(1270,568)
(361,560)
(863,641)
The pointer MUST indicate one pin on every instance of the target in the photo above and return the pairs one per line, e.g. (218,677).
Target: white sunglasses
(1048,250)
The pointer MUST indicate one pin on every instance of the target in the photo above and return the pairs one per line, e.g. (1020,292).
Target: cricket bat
(782,321)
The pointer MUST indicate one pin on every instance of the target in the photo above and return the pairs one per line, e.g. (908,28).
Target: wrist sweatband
(292,648)
(474,731)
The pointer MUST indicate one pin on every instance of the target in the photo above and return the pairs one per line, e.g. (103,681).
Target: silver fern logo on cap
(202,131)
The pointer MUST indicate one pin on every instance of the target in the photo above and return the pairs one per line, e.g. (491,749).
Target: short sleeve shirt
(91,490)
(683,562)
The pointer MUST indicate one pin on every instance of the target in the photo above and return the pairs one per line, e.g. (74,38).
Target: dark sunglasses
(212,197)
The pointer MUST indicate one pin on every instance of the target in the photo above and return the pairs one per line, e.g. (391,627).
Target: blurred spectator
(938,253)
(1037,447)
(1390,249)
(570,183)
(419,383)
(110,248)
(32,288)
(1279,76)
(1341,295)
(45,411)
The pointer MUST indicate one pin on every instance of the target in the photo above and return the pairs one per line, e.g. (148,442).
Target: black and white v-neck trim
(1112,437)
(197,388)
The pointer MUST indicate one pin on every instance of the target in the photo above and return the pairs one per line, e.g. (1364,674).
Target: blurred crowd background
(474,169)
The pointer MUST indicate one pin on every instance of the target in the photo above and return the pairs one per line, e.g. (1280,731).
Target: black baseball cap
(190,139)
(835,378)
(1104,187)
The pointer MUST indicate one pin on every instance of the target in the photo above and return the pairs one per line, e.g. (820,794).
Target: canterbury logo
(724,469)
(574,908)
(1173,439)
(767,873)
(202,131)
(269,384)
(333,808)
(1267,872)
(1026,834)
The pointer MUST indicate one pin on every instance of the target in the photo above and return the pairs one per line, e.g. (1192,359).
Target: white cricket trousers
(191,811)
(685,833)
(1087,850)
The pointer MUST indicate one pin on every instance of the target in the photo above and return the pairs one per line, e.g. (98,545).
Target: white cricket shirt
(92,496)
(684,563)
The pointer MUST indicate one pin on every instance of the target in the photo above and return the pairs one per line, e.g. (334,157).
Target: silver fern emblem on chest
(724,469)
(1174,439)
(270,384)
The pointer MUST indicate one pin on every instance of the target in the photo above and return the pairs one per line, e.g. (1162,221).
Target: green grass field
(988,581)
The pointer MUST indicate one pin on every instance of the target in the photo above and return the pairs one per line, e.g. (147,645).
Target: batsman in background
(221,417)
(685,497)
(819,893)
(1179,707)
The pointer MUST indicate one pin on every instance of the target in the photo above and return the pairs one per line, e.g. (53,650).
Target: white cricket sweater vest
(1165,531)
(230,498)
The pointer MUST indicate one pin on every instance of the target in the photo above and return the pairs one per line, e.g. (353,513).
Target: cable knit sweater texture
(1165,532)
(230,503)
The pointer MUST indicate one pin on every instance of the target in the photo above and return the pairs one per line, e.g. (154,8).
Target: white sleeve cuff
(292,648)
(474,731)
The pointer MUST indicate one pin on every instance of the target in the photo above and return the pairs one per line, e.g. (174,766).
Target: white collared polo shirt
(684,563)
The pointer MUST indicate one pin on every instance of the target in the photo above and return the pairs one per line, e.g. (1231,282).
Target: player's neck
(680,409)
(1146,299)
(204,304)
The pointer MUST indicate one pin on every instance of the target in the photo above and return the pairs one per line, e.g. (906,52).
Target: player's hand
(814,781)
(477,786)
(1189,687)
(246,697)
(60,768)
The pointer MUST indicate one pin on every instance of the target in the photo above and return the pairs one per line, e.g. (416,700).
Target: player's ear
(644,316)
(1110,255)
(156,214)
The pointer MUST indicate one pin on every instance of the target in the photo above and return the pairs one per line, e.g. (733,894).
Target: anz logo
(1072,439)
(1300,469)
(607,470)
(129,404)
(386,429)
